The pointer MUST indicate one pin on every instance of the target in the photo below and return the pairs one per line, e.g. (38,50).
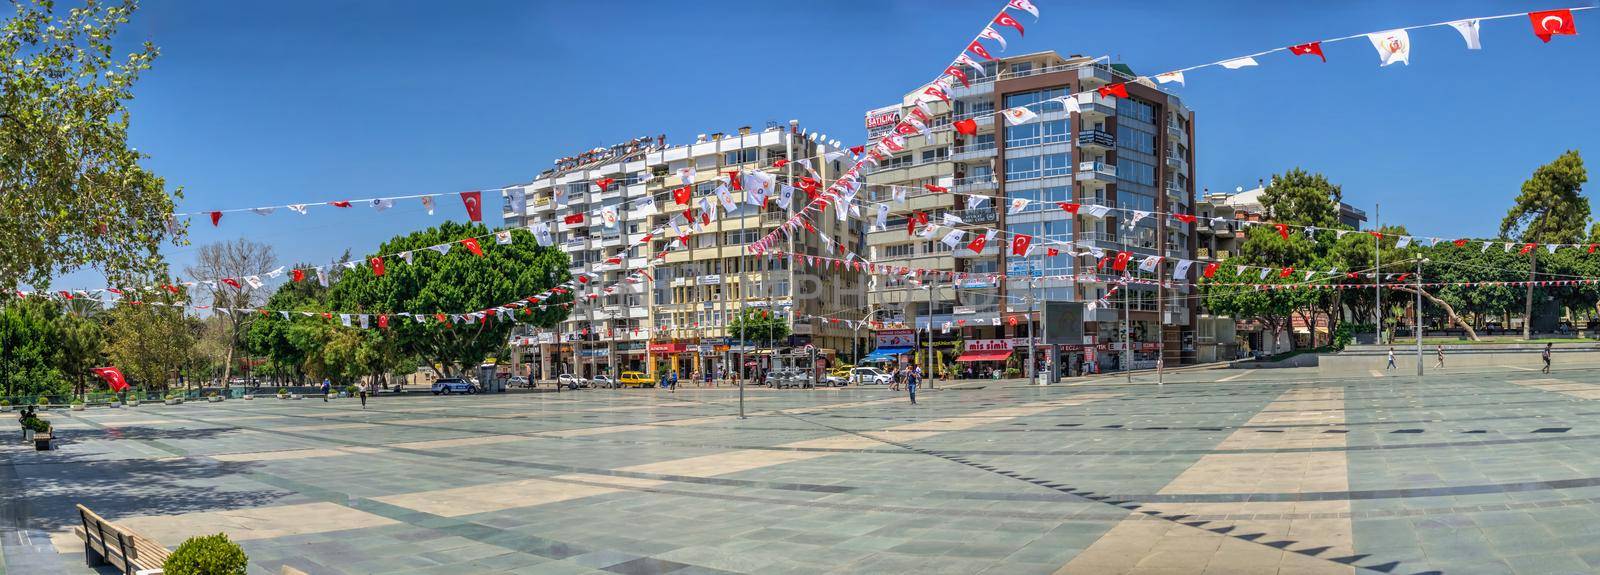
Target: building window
(935,155)
(1059,164)
(1022,168)
(1054,131)
(1136,171)
(1021,68)
(1135,139)
(897,162)
(743,156)
(1023,135)
(900,251)
(1130,108)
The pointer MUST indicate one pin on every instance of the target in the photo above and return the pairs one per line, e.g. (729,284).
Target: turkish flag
(215,217)
(1012,320)
(968,126)
(1312,48)
(112,376)
(474,203)
(958,74)
(383,322)
(857,149)
(932,189)
(1285,272)
(1283,230)
(299,275)
(1068,207)
(1211,269)
(605,183)
(1552,23)
(1460,243)
(978,243)
(681,195)
(1052,252)
(472,246)
(1119,89)
(235,283)
(573,219)
(1185,218)
(377,266)
(1020,243)
(1526,248)
(1005,19)
(977,48)
(340,204)
(1121,263)
(733,178)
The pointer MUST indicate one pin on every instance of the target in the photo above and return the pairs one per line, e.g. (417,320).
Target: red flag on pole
(1119,89)
(1283,230)
(299,275)
(968,126)
(377,266)
(472,246)
(1211,269)
(1005,19)
(112,376)
(215,217)
(1552,23)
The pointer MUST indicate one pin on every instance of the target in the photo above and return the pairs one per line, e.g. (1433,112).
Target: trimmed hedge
(207,555)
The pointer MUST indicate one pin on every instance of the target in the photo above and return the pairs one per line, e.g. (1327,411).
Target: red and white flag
(474,204)
(112,376)
(1392,46)
(1018,115)
(472,246)
(1309,48)
(968,126)
(1552,23)
(1025,6)
(1021,244)
(1005,19)
(977,48)
(1119,89)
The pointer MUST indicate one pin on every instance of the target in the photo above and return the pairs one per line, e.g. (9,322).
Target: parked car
(570,381)
(636,379)
(837,378)
(451,385)
(604,381)
(793,378)
(517,381)
(870,376)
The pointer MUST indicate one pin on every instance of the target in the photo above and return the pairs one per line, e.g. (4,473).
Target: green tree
(149,343)
(72,193)
(30,359)
(758,326)
(1550,210)
(1301,198)
(454,282)
(1271,307)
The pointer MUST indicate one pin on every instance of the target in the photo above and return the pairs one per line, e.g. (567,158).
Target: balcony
(1102,314)
(1175,317)
(979,85)
(974,184)
(1177,163)
(972,152)
(1095,107)
(1094,77)
(1097,173)
(1091,140)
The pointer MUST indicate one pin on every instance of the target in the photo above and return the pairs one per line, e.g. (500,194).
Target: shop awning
(886,354)
(984,356)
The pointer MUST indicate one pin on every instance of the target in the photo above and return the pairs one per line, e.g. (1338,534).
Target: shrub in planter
(283,394)
(5,405)
(77,404)
(43,402)
(207,555)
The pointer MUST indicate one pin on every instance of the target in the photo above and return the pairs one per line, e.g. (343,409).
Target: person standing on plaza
(327,388)
(1547,358)
(362,389)
(672,382)
(1440,363)
(1391,359)
(911,385)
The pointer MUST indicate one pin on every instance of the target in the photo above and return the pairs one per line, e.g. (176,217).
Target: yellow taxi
(636,379)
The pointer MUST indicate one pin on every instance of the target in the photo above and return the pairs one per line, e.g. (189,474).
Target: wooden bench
(106,542)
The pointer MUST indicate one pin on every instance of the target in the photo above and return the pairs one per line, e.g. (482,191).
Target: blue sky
(309,101)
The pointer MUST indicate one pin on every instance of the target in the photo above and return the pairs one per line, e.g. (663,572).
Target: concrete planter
(5,408)
(214,399)
(27,435)
(133,403)
(296,396)
(78,407)
(249,397)
(173,401)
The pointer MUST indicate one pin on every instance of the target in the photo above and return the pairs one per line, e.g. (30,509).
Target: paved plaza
(1219,471)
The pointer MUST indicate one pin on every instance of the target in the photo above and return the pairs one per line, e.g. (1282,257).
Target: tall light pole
(1377,253)
(1418,326)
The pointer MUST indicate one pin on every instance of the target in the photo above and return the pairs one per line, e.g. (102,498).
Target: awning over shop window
(886,354)
(984,356)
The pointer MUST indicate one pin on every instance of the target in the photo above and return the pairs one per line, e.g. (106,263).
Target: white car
(570,381)
(604,381)
(870,376)
(517,381)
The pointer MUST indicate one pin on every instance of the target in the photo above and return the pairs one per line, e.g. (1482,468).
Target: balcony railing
(1096,138)
(973,148)
(977,215)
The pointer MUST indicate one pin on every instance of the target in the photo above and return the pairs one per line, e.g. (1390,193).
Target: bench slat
(125,548)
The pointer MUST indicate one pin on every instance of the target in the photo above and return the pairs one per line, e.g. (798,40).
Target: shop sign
(882,120)
(963,310)
(894,338)
(989,345)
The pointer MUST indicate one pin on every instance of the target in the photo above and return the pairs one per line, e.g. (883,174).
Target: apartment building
(679,318)
(1133,153)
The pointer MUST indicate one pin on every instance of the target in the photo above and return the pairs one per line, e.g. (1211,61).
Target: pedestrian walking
(911,386)
(1391,359)
(327,387)
(1440,363)
(362,389)
(672,382)
(1547,358)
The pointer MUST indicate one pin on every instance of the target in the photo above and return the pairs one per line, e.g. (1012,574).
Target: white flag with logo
(1182,270)
(1238,63)
(899,193)
(1402,242)
(502,237)
(1018,115)
(1149,263)
(427,203)
(686,175)
(609,216)
(1170,77)
(1017,205)
(953,239)
(726,198)
(255,282)
(1393,46)
(883,216)
(785,195)
(541,232)
(519,200)
(975,202)
(646,207)
(322,277)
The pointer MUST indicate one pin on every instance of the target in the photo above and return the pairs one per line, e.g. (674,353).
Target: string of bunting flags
(1392,45)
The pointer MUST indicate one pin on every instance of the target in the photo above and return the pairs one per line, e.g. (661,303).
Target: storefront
(985,357)
(673,357)
(890,346)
